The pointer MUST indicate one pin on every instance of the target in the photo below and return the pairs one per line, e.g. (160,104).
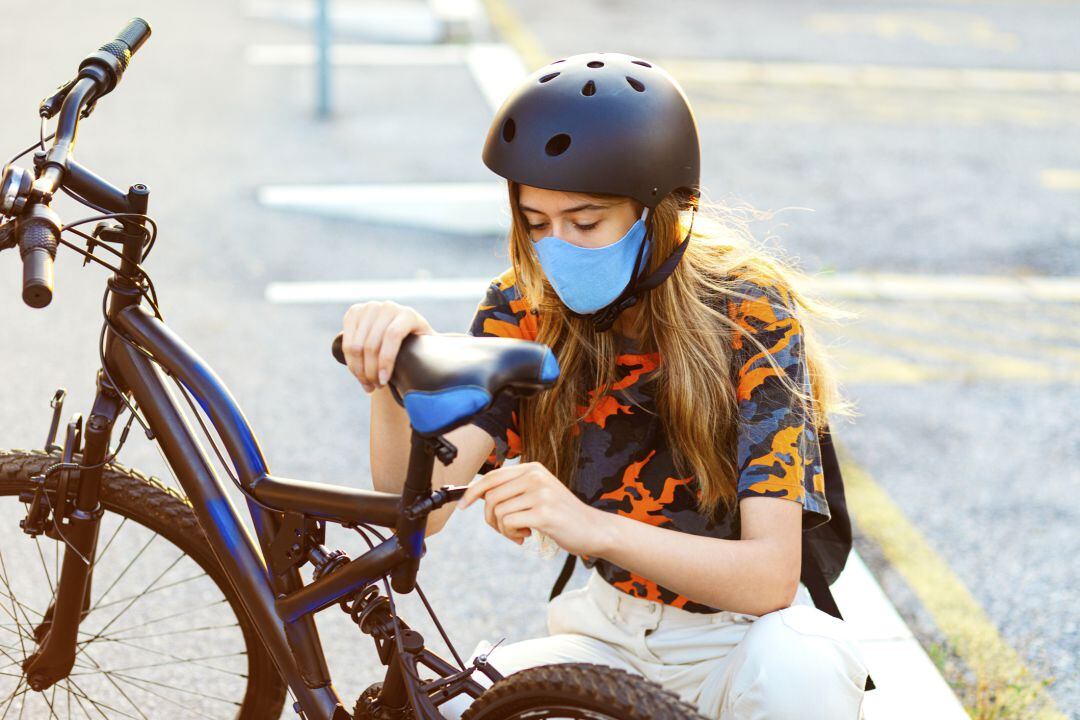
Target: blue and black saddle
(445,380)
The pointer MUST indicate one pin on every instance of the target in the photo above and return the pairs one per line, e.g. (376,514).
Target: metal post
(322,64)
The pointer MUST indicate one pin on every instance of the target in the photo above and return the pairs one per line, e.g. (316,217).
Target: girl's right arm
(372,335)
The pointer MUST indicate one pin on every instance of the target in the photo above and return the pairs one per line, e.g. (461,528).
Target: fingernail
(383,376)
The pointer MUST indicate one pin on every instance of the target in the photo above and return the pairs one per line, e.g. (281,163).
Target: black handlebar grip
(38,237)
(107,64)
(134,34)
(335,348)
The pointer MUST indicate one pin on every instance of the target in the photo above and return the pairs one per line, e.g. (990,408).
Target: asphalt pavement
(968,410)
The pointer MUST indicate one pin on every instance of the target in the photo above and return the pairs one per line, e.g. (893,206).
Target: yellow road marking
(973,364)
(995,336)
(515,32)
(942,28)
(954,610)
(891,77)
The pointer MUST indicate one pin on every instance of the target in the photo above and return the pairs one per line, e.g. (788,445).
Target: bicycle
(233,589)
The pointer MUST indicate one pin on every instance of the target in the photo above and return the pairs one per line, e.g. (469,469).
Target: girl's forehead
(532,199)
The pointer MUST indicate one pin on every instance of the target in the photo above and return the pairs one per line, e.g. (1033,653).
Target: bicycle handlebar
(38,227)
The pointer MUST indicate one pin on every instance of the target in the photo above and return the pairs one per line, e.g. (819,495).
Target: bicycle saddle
(443,380)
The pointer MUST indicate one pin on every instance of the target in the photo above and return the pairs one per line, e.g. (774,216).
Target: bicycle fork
(71,513)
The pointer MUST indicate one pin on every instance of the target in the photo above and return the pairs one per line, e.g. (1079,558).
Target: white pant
(798,662)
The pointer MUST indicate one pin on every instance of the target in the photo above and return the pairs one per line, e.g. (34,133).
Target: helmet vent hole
(636,84)
(641,63)
(549,76)
(557,144)
(589,89)
(596,64)
(508,129)
(558,61)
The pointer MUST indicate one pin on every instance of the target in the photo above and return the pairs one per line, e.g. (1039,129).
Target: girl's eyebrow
(586,206)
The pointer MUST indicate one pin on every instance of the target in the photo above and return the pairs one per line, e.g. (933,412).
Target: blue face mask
(588,279)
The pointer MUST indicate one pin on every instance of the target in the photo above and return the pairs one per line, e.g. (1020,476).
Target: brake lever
(52,104)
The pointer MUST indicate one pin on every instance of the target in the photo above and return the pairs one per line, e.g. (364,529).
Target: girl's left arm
(756,574)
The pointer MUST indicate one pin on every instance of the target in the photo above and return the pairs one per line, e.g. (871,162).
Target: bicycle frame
(280,605)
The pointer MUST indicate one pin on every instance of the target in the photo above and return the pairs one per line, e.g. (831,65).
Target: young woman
(677,455)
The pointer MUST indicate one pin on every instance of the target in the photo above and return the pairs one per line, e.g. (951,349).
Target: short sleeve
(496,318)
(778,450)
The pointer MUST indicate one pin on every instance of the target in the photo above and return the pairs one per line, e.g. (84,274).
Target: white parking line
(464,208)
(359,54)
(862,286)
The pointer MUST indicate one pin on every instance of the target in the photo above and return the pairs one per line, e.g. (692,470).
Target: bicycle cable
(423,597)
(394,618)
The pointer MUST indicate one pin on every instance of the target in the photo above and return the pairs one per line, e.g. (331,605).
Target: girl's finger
(502,509)
(503,492)
(400,326)
(353,344)
(374,341)
(517,524)
(477,488)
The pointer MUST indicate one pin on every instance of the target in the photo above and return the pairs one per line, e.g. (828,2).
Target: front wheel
(164,634)
(578,690)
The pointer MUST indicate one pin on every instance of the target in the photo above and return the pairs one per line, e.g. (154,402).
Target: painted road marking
(397,21)
(942,28)
(464,208)
(857,285)
(954,610)
(891,77)
(357,54)
(986,331)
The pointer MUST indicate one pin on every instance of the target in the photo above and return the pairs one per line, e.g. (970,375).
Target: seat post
(411,532)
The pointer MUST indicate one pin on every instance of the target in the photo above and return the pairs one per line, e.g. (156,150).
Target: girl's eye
(583,228)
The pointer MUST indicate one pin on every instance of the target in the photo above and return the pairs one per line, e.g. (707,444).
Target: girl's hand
(371,337)
(527,495)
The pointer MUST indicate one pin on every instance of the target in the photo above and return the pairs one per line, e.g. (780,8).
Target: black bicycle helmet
(601,122)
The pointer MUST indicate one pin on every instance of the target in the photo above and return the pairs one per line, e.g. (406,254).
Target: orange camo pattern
(644,506)
(638,365)
(626,467)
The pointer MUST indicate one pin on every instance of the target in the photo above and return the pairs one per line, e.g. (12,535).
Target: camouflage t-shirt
(625,465)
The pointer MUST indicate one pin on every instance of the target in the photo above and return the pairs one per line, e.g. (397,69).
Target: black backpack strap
(814,580)
(564,575)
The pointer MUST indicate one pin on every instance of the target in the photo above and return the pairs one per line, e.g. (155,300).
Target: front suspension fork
(75,523)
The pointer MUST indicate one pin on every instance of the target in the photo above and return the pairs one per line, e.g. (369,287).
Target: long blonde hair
(685,319)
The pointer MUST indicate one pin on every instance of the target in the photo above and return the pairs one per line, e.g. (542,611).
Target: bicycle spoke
(11,596)
(78,699)
(117,686)
(15,693)
(158,619)
(139,595)
(98,705)
(123,572)
(157,589)
(133,680)
(52,712)
(113,636)
(45,567)
(112,537)
(178,660)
